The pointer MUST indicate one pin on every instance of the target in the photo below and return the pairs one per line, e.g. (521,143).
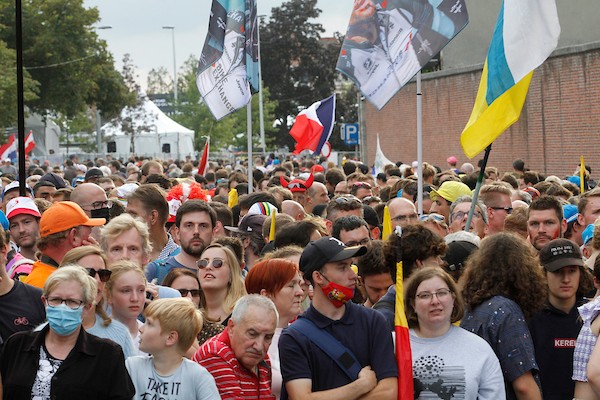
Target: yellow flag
(232,199)
(387,224)
(272,230)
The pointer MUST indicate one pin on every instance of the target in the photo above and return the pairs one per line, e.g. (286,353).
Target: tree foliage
(63,53)
(159,81)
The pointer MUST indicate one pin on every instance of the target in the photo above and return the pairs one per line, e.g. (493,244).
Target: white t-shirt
(190,381)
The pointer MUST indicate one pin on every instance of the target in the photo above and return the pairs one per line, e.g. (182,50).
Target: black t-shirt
(21,309)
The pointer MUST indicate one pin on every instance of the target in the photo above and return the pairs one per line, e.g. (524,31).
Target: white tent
(166,139)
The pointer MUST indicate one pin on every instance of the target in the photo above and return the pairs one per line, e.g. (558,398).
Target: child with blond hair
(170,329)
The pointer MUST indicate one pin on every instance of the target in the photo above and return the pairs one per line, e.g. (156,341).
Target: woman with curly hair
(503,285)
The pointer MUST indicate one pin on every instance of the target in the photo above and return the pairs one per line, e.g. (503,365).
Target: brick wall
(560,120)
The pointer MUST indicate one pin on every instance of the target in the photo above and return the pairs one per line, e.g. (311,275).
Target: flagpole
(419,145)
(249,129)
(20,101)
(478,187)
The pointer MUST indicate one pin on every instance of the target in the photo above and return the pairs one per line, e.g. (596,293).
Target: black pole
(20,101)
(478,187)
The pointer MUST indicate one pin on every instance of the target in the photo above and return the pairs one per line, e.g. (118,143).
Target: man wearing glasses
(402,212)
(459,212)
(496,197)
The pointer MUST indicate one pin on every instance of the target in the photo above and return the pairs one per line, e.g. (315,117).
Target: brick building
(560,120)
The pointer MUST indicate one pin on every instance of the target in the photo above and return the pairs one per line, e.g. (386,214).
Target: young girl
(126,295)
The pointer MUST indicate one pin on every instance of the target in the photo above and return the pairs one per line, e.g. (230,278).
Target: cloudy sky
(137,27)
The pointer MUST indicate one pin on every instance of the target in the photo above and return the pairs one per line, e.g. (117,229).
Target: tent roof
(156,118)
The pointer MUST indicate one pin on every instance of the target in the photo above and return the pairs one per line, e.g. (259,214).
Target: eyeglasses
(459,215)
(103,274)
(193,292)
(362,242)
(71,303)
(402,218)
(216,263)
(99,204)
(428,296)
(508,210)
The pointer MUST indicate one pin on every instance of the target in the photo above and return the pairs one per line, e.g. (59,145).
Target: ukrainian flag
(526,33)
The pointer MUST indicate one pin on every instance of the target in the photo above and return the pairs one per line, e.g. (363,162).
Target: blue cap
(574,179)
(570,212)
(587,234)
(4,221)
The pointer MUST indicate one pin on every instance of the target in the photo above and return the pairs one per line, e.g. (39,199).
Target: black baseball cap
(560,253)
(93,173)
(325,250)
(252,223)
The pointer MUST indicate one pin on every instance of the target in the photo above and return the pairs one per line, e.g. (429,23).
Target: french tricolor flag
(313,126)
(9,149)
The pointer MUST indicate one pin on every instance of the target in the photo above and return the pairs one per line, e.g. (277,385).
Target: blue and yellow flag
(526,34)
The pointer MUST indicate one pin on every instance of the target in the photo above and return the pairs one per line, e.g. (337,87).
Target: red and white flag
(29,142)
(203,165)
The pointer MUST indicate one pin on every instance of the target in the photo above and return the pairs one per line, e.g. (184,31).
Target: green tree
(159,81)
(296,63)
(62,52)
(8,87)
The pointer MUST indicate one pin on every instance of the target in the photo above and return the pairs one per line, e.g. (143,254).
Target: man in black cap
(249,232)
(336,345)
(554,330)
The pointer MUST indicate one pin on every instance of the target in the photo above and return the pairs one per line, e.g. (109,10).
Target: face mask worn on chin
(63,320)
(337,294)
(101,213)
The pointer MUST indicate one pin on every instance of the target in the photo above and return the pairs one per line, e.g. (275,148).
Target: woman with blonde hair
(221,282)
(95,320)
(126,295)
(62,360)
(447,358)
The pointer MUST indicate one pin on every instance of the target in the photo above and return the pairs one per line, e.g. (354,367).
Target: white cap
(22,205)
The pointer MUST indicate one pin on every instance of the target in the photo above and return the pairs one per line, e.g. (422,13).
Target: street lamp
(260,89)
(172,28)
(98,119)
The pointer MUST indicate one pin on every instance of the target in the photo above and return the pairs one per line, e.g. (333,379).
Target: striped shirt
(233,380)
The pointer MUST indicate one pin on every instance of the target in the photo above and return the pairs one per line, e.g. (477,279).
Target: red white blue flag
(9,149)
(313,126)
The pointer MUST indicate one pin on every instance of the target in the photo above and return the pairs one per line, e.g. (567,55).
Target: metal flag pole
(419,145)
(249,129)
(20,101)
(478,187)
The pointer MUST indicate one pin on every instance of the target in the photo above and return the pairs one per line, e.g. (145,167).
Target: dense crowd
(144,279)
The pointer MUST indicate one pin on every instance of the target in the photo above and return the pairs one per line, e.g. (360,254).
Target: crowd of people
(146,280)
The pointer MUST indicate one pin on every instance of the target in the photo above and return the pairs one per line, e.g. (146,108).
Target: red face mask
(337,294)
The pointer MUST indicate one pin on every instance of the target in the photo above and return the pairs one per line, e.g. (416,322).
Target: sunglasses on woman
(103,274)
(216,263)
(193,292)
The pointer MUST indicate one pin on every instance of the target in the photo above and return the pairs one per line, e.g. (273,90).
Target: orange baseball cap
(65,215)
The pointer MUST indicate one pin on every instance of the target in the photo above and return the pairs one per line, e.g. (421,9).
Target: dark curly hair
(505,265)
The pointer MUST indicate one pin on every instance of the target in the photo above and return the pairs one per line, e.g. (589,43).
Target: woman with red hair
(279,280)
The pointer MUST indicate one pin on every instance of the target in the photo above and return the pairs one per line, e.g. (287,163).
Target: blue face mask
(63,320)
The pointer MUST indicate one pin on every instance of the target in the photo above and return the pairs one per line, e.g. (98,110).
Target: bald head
(293,209)
(86,194)
(402,212)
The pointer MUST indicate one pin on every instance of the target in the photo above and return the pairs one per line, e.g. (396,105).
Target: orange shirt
(39,273)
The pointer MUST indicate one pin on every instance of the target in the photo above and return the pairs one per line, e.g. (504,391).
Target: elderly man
(237,358)
(459,212)
(402,212)
(310,368)
(64,226)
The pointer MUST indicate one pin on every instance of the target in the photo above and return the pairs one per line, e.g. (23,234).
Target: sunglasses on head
(193,292)
(216,263)
(103,274)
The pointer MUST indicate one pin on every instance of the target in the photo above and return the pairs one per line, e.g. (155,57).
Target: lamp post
(172,28)
(98,117)
(260,92)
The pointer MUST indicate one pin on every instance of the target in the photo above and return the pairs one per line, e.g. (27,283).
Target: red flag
(204,161)
(29,142)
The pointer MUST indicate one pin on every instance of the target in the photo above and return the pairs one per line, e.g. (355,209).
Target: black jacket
(94,369)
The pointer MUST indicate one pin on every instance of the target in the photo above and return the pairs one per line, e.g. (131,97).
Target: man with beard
(545,221)
(195,224)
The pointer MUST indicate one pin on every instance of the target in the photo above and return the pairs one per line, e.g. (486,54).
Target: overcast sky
(137,27)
